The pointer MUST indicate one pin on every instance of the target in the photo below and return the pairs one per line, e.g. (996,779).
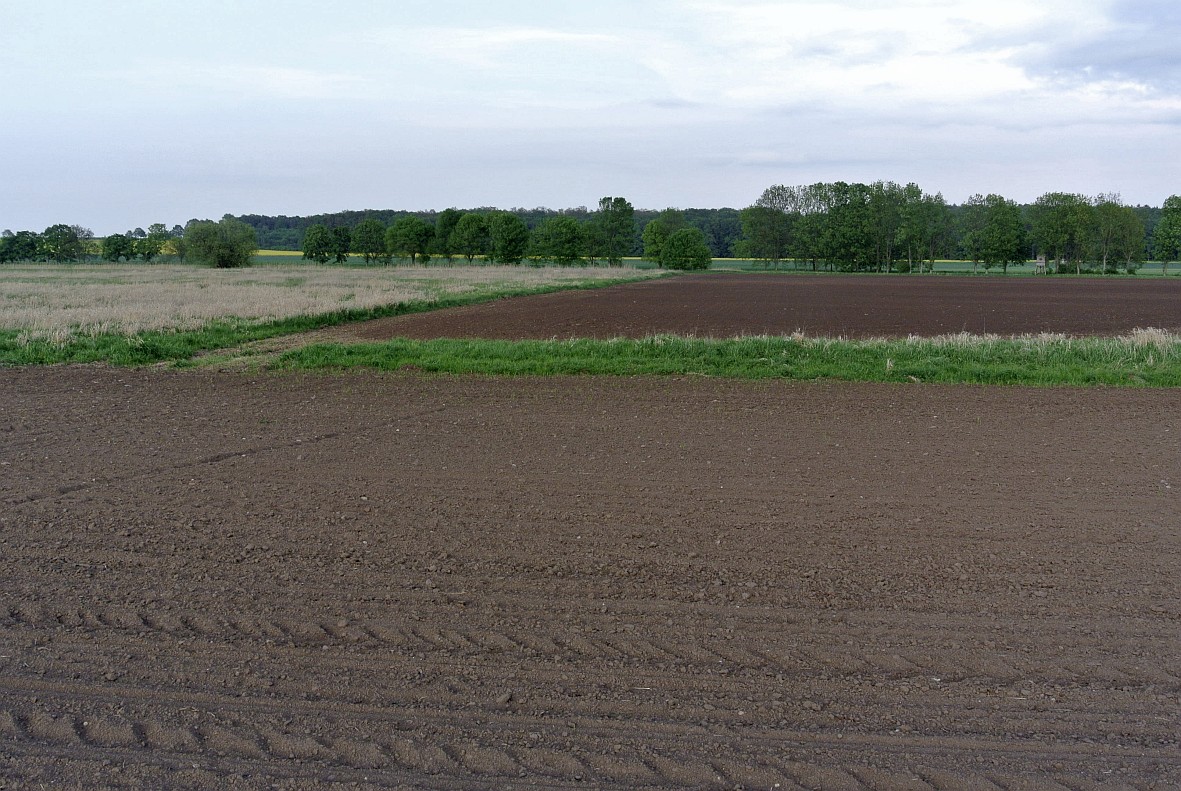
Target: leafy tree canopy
(685,249)
(225,244)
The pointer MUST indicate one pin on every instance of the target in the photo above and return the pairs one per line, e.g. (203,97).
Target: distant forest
(785,224)
(722,227)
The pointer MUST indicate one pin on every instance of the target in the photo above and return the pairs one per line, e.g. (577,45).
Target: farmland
(227,579)
(63,301)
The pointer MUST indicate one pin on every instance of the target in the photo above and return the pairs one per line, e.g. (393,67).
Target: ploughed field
(729,305)
(217,580)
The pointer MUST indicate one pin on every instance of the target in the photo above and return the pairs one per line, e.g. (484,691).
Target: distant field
(57,303)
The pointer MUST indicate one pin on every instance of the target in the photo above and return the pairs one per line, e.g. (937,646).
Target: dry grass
(59,302)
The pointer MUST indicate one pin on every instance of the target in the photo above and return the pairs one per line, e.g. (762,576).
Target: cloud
(489,47)
(252,81)
(1133,43)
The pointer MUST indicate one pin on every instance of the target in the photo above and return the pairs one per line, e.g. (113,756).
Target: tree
(510,237)
(408,237)
(992,231)
(1003,236)
(558,239)
(19,246)
(1119,233)
(925,224)
(61,243)
(616,220)
(444,226)
(848,241)
(686,249)
(116,246)
(369,240)
(1062,225)
(1166,239)
(767,232)
(152,244)
(225,244)
(470,237)
(658,230)
(885,208)
(811,227)
(342,240)
(317,243)
(971,220)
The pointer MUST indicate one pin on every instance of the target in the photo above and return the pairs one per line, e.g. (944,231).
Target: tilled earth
(217,581)
(728,305)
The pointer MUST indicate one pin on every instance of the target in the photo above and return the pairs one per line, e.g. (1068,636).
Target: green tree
(225,244)
(924,226)
(886,199)
(811,227)
(116,246)
(971,220)
(61,243)
(767,233)
(342,242)
(444,226)
(470,237)
(510,237)
(369,240)
(152,244)
(409,237)
(558,239)
(685,249)
(317,243)
(1062,227)
(658,230)
(848,241)
(1166,238)
(1119,233)
(1003,235)
(19,246)
(616,221)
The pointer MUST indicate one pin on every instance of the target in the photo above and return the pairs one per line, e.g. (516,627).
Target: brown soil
(728,305)
(212,581)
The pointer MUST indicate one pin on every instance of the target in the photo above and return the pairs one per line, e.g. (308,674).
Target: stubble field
(222,580)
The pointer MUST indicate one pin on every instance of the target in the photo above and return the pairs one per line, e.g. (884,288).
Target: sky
(124,113)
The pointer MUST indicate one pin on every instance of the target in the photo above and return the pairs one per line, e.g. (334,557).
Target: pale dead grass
(1168,344)
(57,303)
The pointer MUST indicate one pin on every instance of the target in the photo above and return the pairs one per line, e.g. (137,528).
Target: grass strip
(157,346)
(1142,359)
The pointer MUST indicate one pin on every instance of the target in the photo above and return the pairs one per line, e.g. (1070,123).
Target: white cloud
(247,80)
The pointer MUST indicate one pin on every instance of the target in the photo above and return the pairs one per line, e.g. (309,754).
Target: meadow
(65,303)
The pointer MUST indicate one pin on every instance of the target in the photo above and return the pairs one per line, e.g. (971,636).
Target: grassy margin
(1144,359)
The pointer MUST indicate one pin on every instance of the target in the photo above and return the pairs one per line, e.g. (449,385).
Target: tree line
(606,236)
(721,227)
(502,237)
(888,227)
(881,226)
(228,243)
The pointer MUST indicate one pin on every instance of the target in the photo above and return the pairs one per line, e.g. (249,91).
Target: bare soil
(729,305)
(215,581)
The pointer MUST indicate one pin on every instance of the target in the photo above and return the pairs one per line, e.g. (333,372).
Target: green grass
(942,267)
(179,346)
(1152,360)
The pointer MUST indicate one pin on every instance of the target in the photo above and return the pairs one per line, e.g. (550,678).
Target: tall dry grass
(57,303)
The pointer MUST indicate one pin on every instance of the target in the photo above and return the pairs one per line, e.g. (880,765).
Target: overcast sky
(120,114)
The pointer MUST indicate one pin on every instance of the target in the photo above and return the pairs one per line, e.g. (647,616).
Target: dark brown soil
(214,581)
(728,305)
